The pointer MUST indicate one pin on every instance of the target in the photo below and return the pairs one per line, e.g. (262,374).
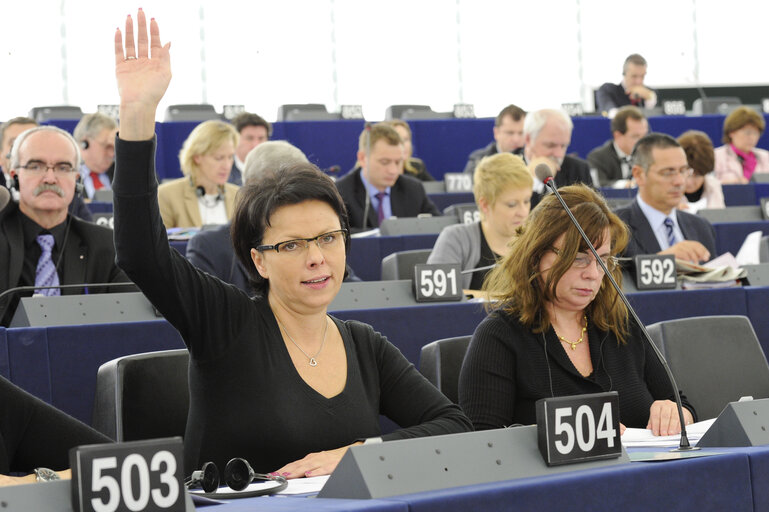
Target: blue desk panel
(443,144)
(366,254)
(59,364)
(731,235)
(719,482)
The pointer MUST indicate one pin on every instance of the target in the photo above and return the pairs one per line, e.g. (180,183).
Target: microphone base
(686,449)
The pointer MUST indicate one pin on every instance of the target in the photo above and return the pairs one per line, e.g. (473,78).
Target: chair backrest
(415,225)
(191,112)
(731,214)
(42,114)
(306,112)
(397,111)
(143,396)
(400,265)
(441,361)
(715,360)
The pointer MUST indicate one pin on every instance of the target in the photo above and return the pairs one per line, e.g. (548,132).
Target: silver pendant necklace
(313,361)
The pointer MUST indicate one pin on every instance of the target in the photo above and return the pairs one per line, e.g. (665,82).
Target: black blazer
(211,251)
(643,241)
(236,177)
(605,160)
(89,257)
(407,198)
(573,170)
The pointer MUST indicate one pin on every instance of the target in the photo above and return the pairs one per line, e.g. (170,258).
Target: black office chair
(732,214)
(191,112)
(43,114)
(400,265)
(415,225)
(763,250)
(143,396)
(715,360)
(441,361)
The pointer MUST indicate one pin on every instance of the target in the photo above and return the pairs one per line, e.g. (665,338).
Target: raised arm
(143,71)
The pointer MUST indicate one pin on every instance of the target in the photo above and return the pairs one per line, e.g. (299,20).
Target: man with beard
(40,244)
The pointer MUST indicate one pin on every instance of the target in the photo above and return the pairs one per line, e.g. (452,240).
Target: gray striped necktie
(45,273)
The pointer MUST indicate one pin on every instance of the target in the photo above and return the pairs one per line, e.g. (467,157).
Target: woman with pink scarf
(739,158)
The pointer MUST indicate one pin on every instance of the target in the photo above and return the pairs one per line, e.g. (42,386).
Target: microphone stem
(684,445)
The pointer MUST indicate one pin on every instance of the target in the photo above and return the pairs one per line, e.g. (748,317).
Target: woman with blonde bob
(502,186)
(202,196)
(560,329)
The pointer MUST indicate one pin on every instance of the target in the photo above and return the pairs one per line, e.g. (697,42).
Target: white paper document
(641,437)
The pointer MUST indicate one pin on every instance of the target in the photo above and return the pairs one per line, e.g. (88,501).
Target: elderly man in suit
(610,163)
(656,225)
(376,188)
(40,244)
(547,135)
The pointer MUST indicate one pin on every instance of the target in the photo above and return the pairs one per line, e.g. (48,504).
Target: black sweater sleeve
(191,300)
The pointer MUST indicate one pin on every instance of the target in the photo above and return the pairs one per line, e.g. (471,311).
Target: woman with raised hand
(273,379)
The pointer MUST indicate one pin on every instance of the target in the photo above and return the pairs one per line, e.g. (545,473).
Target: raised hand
(143,71)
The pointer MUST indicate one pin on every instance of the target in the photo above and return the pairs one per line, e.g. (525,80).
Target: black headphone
(200,191)
(84,144)
(237,475)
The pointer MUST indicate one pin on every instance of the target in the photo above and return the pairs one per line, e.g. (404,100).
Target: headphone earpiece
(207,478)
(200,191)
(79,187)
(84,144)
(15,182)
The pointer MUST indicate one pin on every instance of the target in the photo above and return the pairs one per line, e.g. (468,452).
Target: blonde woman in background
(202,196)
(502,186)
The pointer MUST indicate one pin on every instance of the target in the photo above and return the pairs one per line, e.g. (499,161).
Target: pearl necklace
(313,361)
(573,343)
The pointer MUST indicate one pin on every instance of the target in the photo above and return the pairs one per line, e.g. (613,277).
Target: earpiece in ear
(84,144)
(15,182)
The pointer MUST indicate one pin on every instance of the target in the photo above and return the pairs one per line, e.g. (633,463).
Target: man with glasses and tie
(610,163)
(40,244)
(660,169)
(96,135)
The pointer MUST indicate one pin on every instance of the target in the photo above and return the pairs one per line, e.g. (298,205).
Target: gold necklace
(313,361)
(581,336)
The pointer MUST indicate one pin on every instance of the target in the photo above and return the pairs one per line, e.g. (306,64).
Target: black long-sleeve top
(508,368)
(246,397)
(35,434)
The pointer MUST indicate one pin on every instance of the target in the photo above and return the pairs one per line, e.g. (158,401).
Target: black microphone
(543,172)
(5,197)
(479,269)
(684,445)
(368,158)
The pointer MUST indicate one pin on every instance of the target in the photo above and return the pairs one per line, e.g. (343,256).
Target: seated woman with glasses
(502,186)
(273,379)
(559,327)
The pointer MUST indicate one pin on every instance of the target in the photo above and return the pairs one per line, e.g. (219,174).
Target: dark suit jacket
(611,96)
(211,251)
(605,160)
(643,241)
(89,257)
(407,198)
(235,176)
(573,170)
(479,154)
